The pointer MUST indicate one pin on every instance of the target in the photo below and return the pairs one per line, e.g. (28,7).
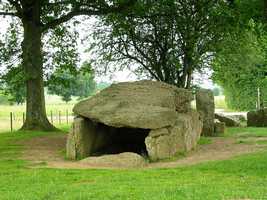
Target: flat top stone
(140,104)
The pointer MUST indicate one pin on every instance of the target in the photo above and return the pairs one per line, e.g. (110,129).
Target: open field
(54,106)
(18,110)
(242,177)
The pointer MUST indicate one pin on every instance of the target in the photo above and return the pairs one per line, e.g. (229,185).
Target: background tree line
(240,64)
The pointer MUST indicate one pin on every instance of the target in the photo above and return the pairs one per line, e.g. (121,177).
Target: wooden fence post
(51,116)
(11,121)
(67,116)
(59,115)
(23,117)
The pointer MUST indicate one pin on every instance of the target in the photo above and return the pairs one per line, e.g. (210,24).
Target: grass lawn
(244,177)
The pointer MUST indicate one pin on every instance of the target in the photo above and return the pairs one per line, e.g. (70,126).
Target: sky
(120,76)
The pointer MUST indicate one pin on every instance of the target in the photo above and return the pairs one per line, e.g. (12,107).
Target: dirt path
(50,150)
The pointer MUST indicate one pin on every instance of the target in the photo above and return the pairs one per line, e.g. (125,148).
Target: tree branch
(9,14)
(17,5)
(52,24)
(78,11)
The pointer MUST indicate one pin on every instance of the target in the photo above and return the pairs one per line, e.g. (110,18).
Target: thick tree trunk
(36,118)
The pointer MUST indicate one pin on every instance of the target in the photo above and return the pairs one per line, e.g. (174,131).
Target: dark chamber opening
(119,140)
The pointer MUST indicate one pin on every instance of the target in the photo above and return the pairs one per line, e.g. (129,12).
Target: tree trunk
(187,71)
(189,79)
(36,118)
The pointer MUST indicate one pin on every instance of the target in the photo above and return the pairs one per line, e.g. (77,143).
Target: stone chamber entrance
(120,140)
(97,139)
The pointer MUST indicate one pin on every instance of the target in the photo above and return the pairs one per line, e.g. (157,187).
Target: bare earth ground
(49,150)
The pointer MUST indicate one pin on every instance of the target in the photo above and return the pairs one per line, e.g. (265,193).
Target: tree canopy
(37,22)
(163,40)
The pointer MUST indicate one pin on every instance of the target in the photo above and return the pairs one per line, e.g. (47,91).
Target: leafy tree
(85,83)
(13,85)
(60,84)
(164,40)
(33,21)
(67,84)
(241,70)
(3,98)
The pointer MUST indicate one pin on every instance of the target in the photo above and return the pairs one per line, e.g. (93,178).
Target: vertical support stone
(78,143)
(206,108)
(85,138)
(182,137)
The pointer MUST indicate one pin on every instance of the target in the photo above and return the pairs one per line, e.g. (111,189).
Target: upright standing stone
(206,108)
(83,139)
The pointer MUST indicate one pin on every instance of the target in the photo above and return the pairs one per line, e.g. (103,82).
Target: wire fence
(16,120)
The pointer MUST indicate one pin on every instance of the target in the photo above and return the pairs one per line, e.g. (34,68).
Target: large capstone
(148,118)
(206,107)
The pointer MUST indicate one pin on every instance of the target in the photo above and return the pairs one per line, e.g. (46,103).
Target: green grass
(246,132)
(244,177)
(204,140)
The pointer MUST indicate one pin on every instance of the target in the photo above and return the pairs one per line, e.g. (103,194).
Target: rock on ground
(206,107)
(228,120)
(123,160)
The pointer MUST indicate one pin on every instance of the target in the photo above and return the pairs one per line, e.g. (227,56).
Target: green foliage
(60,48)
(66,84)
(204,141)
(13,85)
(241,70)
(240,64)
(162,40)
(3,98)
(59,38)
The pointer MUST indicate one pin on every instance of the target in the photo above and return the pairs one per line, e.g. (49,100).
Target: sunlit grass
(244,177)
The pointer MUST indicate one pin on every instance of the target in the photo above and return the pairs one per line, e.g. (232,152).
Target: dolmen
(149,118)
